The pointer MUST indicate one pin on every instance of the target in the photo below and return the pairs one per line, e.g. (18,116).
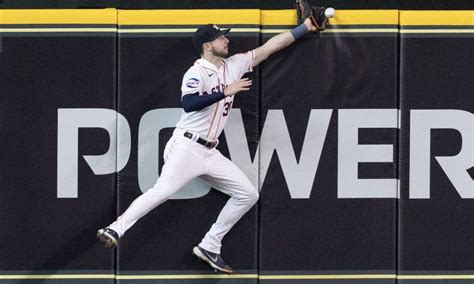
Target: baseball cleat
(108,236)
(320,19)
(215,260)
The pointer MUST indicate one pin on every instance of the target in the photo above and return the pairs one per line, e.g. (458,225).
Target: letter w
(299,175)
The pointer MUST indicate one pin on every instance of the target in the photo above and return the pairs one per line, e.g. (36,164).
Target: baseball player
(208,90)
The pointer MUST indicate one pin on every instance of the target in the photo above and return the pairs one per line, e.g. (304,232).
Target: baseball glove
(316,14)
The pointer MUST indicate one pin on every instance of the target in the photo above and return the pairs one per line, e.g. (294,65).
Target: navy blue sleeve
(194,102)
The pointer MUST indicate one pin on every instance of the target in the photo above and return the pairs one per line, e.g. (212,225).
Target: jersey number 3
(227,106)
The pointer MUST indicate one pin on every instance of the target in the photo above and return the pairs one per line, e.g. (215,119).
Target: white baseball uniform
(185,159)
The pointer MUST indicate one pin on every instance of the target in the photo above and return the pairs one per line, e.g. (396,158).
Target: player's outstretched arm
(281,41)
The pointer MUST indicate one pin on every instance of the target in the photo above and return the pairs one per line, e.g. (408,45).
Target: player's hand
(309,24)
(238,86)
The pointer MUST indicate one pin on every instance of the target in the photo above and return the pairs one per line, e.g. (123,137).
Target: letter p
(69,122)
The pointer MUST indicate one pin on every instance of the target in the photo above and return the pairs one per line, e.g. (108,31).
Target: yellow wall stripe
(377,30)
(191,30)
(278,17)
(434,277)
(58,276)
(328,277)
(273,31)
(335,30)
(239,276)
(230,17)
(366,276)
(365,17)
(198,276)
(57,30)
(436,18)
(144,31)
(128,277)
(59,16)
(189,17)
(343,17)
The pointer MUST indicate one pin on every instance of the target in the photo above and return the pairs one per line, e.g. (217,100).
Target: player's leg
(183,161)
(225,176)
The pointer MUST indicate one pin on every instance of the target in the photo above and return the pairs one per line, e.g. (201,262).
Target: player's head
(210,38)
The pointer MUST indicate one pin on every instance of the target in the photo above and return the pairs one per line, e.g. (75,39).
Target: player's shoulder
(238,57)
(193,71)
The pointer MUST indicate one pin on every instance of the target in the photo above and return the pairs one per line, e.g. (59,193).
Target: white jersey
(205,78)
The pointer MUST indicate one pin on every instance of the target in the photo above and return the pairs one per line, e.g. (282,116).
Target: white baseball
(330,12)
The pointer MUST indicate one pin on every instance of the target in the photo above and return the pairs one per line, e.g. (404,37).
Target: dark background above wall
(242,4)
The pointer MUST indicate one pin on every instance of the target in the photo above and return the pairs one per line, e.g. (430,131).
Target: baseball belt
(205,143)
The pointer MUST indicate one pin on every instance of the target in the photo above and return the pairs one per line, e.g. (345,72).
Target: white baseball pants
(184,160)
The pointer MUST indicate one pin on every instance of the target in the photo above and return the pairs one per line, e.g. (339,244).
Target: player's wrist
(299,31)
(227,93)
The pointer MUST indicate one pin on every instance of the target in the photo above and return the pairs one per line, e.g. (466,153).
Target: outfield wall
(359,138)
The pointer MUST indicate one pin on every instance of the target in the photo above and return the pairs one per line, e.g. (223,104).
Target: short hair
(200,50)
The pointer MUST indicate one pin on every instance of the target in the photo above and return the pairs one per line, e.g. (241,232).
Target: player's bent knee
(248,197)
(253,196)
